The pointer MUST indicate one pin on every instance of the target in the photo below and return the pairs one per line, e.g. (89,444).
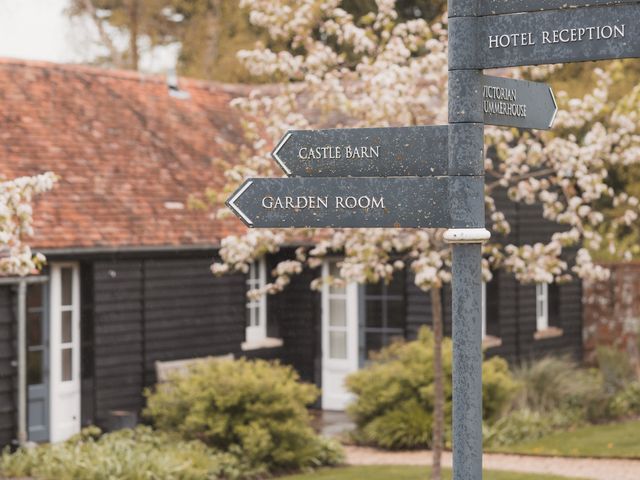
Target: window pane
(396,286)
(334,272)
(374,288)
(34,296)
(338,345)
(34,368)
(34,329)
(67,365)
(337,312)
(373,313)
(374,342)
(66,277)
(395,314)
(66,327)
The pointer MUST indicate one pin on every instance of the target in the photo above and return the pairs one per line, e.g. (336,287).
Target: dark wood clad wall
(118,341)
(296,311)
(158,309)
(189,312)
(7,370)
(511,310)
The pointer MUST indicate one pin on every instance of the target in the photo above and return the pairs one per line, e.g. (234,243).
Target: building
(128,282)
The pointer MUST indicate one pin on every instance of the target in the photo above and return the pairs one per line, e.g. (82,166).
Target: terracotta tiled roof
(127,152)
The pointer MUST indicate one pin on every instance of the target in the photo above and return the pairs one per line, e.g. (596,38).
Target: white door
(339,339)
(65,351)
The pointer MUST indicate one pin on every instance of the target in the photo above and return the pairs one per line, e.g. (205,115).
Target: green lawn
(388,472)
(612,440)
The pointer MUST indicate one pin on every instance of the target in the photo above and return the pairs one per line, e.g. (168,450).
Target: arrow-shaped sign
(518,103)
(556,36)
(410,202)
(364,152)
(498,7)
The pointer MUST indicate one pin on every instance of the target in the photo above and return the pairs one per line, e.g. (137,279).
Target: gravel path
(596,469)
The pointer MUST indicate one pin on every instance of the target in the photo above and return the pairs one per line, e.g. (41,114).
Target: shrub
(626,403)
(127,454)
(615,367)
(557,383)
(255,408)
(525,424)
(394,394)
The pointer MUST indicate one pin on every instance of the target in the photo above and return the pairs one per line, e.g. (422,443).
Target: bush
(520,425)
(255,409)
(557,383)
(626,403)
(615,367)
(127,454)
(394,394)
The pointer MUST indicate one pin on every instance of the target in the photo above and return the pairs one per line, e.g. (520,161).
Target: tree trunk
(438,381)
(134,19)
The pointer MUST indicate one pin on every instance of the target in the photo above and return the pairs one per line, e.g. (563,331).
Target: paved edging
(592,468)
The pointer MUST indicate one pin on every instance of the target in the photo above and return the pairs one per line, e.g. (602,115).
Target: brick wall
(612,311)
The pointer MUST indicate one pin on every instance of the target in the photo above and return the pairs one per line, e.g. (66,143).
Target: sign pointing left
(364,152)
(408,202)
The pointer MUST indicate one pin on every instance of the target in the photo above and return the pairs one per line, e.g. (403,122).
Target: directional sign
(557,36)
(496,7)
(518,103)
(351,202)
(364,152)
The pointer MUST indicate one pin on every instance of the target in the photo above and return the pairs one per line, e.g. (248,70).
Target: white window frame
(483,309)
(64,400)
(542,306)
(257,278)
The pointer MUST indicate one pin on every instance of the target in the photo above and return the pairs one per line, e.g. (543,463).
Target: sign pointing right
(518,103)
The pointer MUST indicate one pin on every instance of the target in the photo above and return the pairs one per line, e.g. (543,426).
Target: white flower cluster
(380,71)
(16,223)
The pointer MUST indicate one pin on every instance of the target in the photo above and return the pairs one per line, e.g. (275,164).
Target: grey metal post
(466,158)
(22,363)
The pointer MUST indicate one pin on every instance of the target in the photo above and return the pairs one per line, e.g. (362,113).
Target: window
(256,330)
(383,307)
(548,321)
(336,298)
(491,312)
(66,322)
(542,306)
(36,350)
(483,309)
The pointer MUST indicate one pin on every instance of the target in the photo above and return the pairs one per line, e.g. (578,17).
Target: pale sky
(39,30)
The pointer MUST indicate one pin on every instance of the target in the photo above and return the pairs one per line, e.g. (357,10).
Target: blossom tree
(16,223)
(341,71)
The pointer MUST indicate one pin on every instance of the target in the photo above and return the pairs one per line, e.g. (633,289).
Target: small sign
(499,7)
(557,36)
(409,202)
(364,152)
(518,103)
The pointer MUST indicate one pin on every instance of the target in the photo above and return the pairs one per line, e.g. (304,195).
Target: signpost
(364,152)
(518,103)
(369,202)
(497,7)
(427,177)
(555,36)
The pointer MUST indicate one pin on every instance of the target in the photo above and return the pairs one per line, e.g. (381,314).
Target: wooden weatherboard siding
(147,310)
(7,370)
(118,337)
(189,312)
(295,313)
(511,308)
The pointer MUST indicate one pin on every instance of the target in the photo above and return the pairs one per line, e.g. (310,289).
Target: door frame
(60,391)
(338,398)
(39,433)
